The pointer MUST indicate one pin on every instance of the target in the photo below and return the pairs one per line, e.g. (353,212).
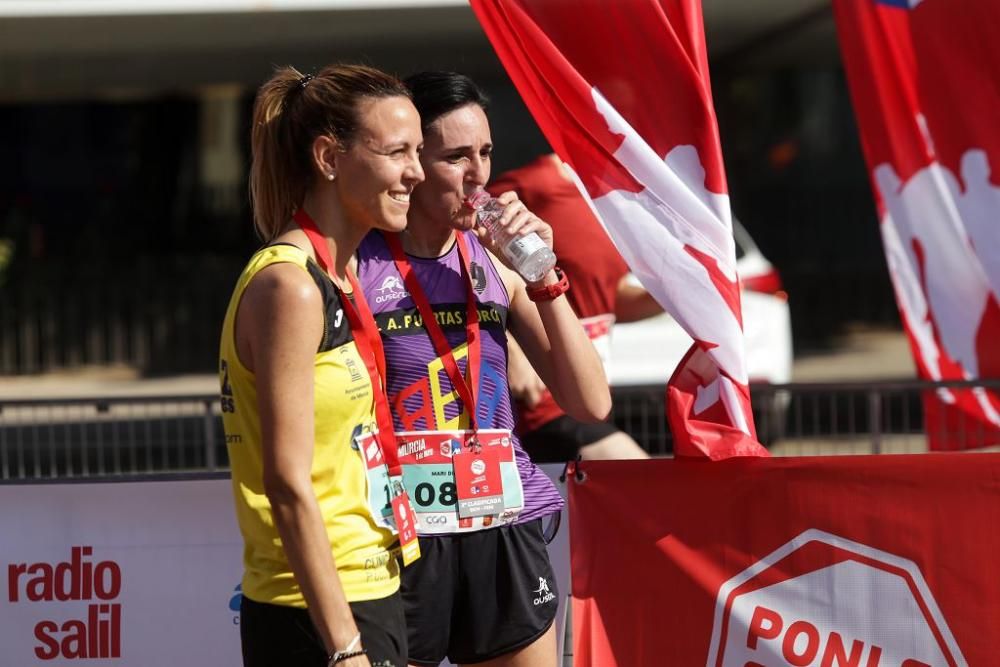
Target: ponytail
(290,111)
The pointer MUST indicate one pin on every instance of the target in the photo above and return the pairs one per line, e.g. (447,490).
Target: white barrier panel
(138,573)
(143,574)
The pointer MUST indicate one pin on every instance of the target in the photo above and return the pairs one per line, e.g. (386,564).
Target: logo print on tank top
(352,366)
(391,290)
(478,277)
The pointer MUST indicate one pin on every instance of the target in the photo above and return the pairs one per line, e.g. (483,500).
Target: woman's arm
(280,324)
(550,333)
(558,348)
(525,385)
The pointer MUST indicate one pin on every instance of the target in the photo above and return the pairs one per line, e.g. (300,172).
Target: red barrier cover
(861,560)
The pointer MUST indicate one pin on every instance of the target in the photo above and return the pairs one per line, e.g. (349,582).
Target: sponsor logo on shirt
(391,290)
(478,277)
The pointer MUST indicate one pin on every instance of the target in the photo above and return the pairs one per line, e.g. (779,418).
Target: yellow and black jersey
(343,408)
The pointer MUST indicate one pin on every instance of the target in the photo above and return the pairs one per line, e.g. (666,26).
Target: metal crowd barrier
(828,418)
(84,438)
(67,438)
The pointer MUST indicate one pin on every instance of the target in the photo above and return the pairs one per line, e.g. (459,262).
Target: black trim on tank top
(336,328)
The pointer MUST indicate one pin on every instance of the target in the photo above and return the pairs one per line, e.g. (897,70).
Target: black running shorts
(476,596)
(279,636)
(560,440)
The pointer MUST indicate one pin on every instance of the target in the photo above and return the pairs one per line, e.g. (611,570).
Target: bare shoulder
(283,289)
(281,310)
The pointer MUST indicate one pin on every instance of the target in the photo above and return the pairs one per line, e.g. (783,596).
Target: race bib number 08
(429,479)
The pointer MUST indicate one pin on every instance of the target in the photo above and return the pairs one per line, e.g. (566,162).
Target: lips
(464,219)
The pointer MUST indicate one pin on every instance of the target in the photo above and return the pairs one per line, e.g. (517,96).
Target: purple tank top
(419,386)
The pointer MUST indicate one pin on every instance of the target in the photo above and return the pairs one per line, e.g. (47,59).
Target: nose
(414,172)
(479,171)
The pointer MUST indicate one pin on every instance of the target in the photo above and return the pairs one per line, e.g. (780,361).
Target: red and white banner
(750,561)
(621,91)
(924,80)
(864,561)
(143,573)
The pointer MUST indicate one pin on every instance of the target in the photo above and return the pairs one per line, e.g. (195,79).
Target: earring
(331,176)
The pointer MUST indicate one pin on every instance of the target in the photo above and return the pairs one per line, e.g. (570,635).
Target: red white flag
(925,81)
(621,91)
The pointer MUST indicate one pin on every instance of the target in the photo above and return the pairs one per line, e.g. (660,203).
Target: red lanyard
(366,337)
(466,389)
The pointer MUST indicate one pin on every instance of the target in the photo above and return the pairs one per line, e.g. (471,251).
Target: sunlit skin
(374,176)
(457,159)
(378,170)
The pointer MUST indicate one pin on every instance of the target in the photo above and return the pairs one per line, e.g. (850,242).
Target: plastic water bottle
(528,254)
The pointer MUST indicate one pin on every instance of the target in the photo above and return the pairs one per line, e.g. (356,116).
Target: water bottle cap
(478,199)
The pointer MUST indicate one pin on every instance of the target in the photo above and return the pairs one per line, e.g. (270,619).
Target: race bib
(379,482)
(478,482)
(429,479)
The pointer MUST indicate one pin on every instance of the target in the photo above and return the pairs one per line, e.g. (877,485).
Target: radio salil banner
(119,574)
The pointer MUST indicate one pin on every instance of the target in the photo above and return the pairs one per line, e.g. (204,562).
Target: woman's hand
(516,220)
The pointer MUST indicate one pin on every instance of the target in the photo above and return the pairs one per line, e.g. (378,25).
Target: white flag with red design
(621,91)
(925,82)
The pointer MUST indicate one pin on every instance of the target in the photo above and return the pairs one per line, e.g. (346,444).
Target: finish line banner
(865,561)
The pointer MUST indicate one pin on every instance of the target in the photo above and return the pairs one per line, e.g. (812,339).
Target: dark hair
(290,111)
(438,93)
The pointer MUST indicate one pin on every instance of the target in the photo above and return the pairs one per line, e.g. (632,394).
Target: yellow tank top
(364,554)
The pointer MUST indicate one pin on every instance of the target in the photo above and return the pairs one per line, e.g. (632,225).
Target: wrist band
(345,653)
(549,292)
(341,656)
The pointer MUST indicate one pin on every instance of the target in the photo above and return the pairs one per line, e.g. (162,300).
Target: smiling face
(456,162)
(379,169)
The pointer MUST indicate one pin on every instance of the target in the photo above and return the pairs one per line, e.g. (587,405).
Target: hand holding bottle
(524,241)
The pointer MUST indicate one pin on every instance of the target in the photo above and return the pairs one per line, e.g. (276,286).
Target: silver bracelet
(351,654)
(346,652)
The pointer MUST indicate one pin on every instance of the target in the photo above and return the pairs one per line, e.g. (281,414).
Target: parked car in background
(644,354)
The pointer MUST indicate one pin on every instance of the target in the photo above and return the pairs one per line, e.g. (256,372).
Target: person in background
(334,156)
(602,295)
(483,591)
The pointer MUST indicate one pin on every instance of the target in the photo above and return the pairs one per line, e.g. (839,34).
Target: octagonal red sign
(824,601)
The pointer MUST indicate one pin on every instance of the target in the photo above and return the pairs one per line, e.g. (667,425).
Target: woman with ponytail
(335,155)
